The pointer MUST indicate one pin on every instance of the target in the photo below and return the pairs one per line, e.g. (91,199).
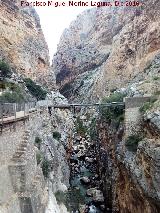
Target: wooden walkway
(21,115)
(18,116)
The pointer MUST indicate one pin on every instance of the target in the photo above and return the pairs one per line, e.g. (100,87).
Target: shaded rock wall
(130,177)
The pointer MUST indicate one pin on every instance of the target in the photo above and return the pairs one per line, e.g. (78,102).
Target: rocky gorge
(97,158)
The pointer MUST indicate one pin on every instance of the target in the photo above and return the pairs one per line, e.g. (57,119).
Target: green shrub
(61,197)
(11,86)
(80,128)
(35,90)
(155,78)
(114,112)
(157,92)
(14,95)
(115,97)
(38,142)
(147,105)
(5,70)
(132,142)
(46,167)
(39,157)
(2,85)
(72,199)
(56,135)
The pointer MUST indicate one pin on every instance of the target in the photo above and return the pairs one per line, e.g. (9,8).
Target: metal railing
(15,110)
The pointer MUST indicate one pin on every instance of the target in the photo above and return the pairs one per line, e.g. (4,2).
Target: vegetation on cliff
(147,105)
(56,135)
(132,142)
(13,93)
(5,70)
(115,113)
(38,142)
(80,128)
(35,90)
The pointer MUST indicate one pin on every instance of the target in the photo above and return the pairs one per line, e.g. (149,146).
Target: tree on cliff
(5,70)
(35,90)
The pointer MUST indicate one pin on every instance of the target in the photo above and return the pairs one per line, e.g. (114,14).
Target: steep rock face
(22,43)
(110,46)
(56,151)
(131,180)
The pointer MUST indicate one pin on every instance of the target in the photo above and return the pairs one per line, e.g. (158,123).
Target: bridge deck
(88,105)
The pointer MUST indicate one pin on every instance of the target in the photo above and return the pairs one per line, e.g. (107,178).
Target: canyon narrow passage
(86,187)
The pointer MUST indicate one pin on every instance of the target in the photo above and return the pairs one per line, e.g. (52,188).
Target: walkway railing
(13,111)
(88,105)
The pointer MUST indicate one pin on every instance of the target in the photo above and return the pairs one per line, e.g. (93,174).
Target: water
(92,209)
(78,191)
(80,167)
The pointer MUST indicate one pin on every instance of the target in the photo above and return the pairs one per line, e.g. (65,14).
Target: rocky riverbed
(86,192)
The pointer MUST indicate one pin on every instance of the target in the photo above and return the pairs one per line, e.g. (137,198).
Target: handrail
(88,105)
(14,111)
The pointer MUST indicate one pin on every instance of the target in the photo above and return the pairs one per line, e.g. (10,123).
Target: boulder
(85,180)
(89,160)
(90,191)
(96,194)
(82,208)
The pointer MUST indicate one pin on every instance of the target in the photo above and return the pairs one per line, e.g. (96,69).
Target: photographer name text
(80,4)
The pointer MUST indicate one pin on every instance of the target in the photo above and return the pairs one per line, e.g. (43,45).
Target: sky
(54,21)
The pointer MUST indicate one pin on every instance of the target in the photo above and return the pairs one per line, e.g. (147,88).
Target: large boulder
(96,194)
(85,180)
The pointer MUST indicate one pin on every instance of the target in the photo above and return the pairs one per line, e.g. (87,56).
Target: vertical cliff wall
(22,42)
(131,180)
(107,48)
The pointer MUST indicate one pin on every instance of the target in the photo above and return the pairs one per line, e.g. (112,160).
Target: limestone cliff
(117,49)
(107,48)
(22,42)
(130,176)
